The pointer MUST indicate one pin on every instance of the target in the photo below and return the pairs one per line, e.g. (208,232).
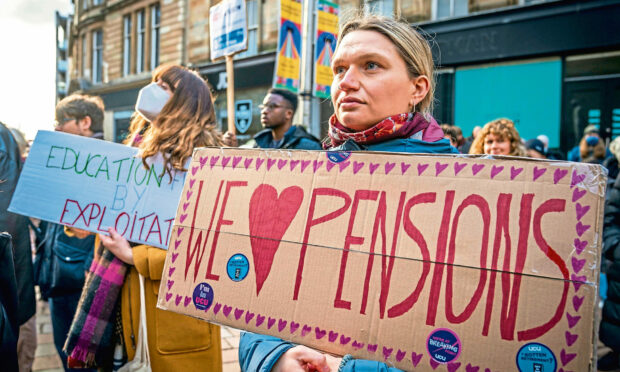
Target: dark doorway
(592,101)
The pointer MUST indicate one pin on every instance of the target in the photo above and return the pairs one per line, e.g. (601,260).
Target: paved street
(47,360)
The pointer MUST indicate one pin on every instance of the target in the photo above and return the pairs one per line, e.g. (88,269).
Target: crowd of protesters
(175,114)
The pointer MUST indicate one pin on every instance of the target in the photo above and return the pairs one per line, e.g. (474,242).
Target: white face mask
(151,100)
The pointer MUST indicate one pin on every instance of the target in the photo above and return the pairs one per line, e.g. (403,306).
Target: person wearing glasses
(276,116)
(81,115)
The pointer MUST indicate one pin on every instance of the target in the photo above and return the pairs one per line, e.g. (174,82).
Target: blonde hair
(410,45)
(185,122)
(505,130)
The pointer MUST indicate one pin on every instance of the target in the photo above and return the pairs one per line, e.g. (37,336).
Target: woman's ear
(420,86)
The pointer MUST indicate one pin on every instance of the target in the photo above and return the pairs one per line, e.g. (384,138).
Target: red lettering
(64,210)
(552,205)
(81,214)
(350,240)
(418,238)
(442,240)
(101,219)
(151,231)
(221,222)
(481,204)
(92,209)
(126,226)
(191,253)
(311,221)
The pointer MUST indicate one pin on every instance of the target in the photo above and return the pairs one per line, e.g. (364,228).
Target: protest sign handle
(230,93)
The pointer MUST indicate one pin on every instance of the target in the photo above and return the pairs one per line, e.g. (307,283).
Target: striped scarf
(89,338)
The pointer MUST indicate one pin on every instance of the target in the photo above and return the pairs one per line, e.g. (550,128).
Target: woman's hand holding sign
(117,245)
(301,358)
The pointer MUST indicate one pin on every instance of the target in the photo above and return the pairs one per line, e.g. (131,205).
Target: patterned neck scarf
(398,126)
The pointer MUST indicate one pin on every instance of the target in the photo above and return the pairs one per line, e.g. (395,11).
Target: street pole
(307,64)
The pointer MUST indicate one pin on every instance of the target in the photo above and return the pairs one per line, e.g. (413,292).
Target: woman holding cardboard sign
(382,93)
(175,115)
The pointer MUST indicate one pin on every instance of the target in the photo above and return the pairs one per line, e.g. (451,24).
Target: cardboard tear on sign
(412,260)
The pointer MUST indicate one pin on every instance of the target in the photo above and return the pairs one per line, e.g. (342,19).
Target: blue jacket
(295,138)
(259,352)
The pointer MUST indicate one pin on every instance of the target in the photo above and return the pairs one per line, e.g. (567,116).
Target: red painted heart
(387,352)
(415,358)
(572,320)
(270,217)
(400,355)
(454,366)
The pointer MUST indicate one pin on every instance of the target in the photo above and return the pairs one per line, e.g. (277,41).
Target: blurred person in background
(591,148)
(464,148)
(536,149)
(451,133)
(498,137)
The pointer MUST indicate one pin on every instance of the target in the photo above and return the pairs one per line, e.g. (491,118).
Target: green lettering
(153,173)
(50,156)
(88,160)
(103,162)
(64,160)
(135,175)
(120,165)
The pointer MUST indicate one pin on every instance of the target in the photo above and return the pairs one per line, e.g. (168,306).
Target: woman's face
(496,145)
(371,81)
(163,85)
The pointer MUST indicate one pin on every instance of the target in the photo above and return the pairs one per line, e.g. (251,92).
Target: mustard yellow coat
(176,342)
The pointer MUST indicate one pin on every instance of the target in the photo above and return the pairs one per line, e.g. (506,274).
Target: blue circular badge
(238,267)
(338,156)
(536,357)
(443,345)
(203,296)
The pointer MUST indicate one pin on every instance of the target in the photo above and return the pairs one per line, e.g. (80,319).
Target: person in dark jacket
(609,332)
(276,115)
(382,94)
(17,227)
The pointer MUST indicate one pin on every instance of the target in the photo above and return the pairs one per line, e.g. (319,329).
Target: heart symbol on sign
(458,167)
(187,301)
(400,355)
(213,161)
(176,244)
(387,352)
(476,168)
(294,327)
(183,217)
(495,170)
(344,340)
(452,367)
(177,300)
(259,319)
(570,338)
(170,284)
(293,164)
(304,165)
(247,162)
(174,257)
(415,358)
(357,345)
(404,167)
(171,270)
(580,245)
(248,317)
(180,231)
(316,165)
(238,313)
(281,163)
(270,217)
(226,311)
(259,162)
(572,320)
(558,175)
(581,210)
(270,163)
(577,264)
(578,281)
(433,363)
(216,308)
(320,333)
(578,194)
(185,205)
(189,194)
(470,368)
(236,161)
(581,228)
(439,168)
(389,166)
(332,336)
(576,179)
(577,302)
(566,357)
(343,165)
(538,172)
(168,296)
(329,166)
(373,167)
(270,322)
(203,161)
(305,330)
(191,183)
(357,165)
(194,170)
(372,348)
(514,172)
(422,168)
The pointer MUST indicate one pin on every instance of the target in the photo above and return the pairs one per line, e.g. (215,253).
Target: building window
(140,29)
(456,8)
(380,7)
(84,54)
(416,10)
(97,2)
(97,61)
(155,21)
(252,14)
(270,21)
(84,4)
(127,45)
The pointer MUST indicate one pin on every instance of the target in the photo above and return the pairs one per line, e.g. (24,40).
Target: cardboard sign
(417,261)
(92,184)
(228,28)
